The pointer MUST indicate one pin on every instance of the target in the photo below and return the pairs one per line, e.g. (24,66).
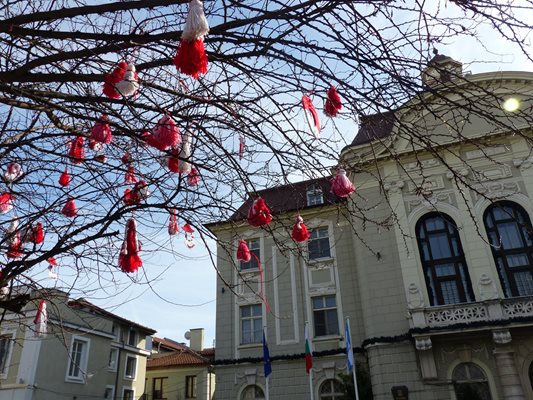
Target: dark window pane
(440,248)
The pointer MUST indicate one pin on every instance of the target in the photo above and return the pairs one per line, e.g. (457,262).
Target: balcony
(466,313)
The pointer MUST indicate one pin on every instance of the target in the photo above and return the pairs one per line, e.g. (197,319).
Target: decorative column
(507,372)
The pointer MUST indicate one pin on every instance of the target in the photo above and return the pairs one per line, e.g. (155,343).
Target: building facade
(431,258)
(87,352)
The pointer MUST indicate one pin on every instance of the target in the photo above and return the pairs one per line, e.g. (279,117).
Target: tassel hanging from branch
(129,260)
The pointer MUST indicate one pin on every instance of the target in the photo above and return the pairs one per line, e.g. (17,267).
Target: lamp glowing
(512,104)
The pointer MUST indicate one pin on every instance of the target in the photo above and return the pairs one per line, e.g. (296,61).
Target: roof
(185,357)
(81,303)
(374,126)
(166,344)
(290,197)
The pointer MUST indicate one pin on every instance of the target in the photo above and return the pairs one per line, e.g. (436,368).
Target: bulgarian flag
(308,352)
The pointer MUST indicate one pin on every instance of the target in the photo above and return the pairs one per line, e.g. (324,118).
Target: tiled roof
(181,358)
(375,126)
(290,197)
(81,303)
(165,343)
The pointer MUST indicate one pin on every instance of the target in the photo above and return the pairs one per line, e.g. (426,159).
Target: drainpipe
(117,373)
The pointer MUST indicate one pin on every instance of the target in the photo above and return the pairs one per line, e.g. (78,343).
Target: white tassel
(129,83)
(184,166)
(196,26)
(41,320)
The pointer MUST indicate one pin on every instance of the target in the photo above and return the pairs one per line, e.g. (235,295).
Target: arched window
(252,392)
(509,230)
(443,260)
(470,382)
(331,389)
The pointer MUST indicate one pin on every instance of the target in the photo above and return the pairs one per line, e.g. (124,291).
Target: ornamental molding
(493,173)
(486,152)
(458,171)
(415,296)
(487,288)
(523,163)
(518,308)
(394,186)
(423,343)
(497,190)
(429,202)
(427,185)
(501,336)
(421,164)
(456,314)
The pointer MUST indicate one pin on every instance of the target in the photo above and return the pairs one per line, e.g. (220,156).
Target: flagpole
(267,365)
(354,363)
(267,390)
(308,342)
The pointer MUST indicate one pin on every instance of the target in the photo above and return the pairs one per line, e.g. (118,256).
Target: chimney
(196,339)
(441,69)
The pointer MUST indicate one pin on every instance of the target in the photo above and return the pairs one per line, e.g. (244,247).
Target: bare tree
(263,56)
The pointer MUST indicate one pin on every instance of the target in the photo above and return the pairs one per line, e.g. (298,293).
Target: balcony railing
(483,311)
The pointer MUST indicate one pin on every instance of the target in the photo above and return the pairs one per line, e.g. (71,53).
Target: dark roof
(290,197)
(181,358)
(375,126)
(81,303)
(166,344)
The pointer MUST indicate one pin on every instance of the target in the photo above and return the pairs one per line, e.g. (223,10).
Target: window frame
(325,310)
(84,359)
(254,341)
(130,389)
(254,387)
(252,265)
(10,337)
(191,391)
(112,388)
(312,192)
(127,358)
(112,361)
(333,394)
(456,384)
(506,273)
(161,394)
(132,333)
(311,240)
(461,275)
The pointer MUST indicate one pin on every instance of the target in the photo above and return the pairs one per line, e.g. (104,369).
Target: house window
(325,317)
(115,330)
(331,389)
(190,387)
(443,260)
(510,234)
(251,324)
(131,366)
(255,248)
(470,383)
(128,394)
(253,392)
(109,392)
(132,338)
(318,244)
(78,357)
(157,388)
(112,362)
(6,347)
(314,195)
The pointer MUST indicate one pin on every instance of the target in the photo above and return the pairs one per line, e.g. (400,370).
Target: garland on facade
(405,337)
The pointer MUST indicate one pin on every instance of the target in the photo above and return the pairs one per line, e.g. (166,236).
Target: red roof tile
(181,358)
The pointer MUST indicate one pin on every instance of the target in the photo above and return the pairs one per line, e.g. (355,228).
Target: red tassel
(259,213)
(64,179)
(76,152)
(13,172)
(135,195)
(6,203)
(52,261)
(189,237)
(126,158)
(173,227)
(129,260)
(37,234)
(300,232)
(113,78)
(130,176)
(173,162)
(101,131)
(193,178)
(14,250)
(191,58)
(311,115)
(243,252)
(341,185)
(333,102)
(70,210)
(165,134)
(41,320)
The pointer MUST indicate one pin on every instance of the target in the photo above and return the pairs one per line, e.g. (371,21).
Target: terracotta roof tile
(181,358)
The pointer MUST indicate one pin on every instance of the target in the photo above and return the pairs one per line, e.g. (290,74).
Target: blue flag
(349,348)
(266,357)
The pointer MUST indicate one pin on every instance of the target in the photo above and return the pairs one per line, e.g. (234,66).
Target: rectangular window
(78,356)
(318,244)
(157,390)
(6,347)
(190,387)
(251,324)
(325,315)
(255,249)
(115,330)
(109,392)
(112,362)
(314,195)
(132,338)
(131,366)
(128,394)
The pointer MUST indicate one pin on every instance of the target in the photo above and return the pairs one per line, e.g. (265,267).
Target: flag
(266,357)
(308,352)
(349,347)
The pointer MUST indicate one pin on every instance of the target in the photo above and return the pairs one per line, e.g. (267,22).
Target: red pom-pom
(129,260)
(52,261)
(101,131)
(130,179)
(113,78)
(13,172)
(69,210)
(126,158)
(191,58)
(243,252)
(341,185)
(259,213)
(173,227)
(6,203)
(14,249)
(64,179)
(300,232)
(193,178)
(187,228)
(76,152)
(333,102)
(37,234)
(173,162)
(165,134)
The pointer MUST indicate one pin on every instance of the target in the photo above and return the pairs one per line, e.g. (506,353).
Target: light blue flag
(349,348)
